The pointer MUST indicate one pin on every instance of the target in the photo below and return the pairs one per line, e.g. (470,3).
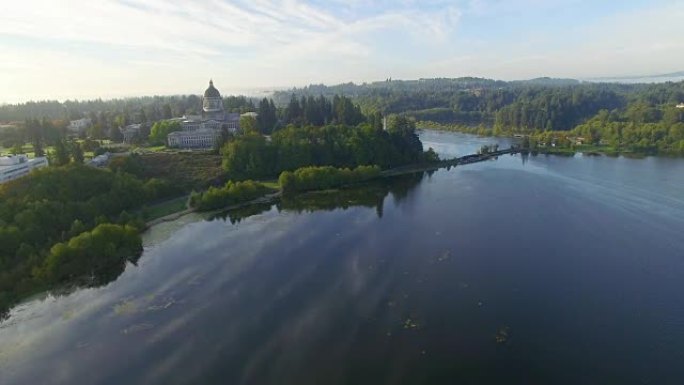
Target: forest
(231,193)
(639,117)
(646,112)
(252,156)
(323,178)
(52,226)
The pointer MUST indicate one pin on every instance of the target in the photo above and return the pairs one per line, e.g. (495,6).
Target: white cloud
(123,47)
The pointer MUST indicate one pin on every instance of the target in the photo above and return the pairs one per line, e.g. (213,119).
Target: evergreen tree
(293,112)
(77,152)
(115,134)
(60,156)
(142,117)
(35,133)
(166,111)
(266,118)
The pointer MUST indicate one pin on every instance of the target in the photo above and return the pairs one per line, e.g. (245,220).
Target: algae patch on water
(125,307)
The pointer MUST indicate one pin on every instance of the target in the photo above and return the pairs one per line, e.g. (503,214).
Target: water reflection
(370,195)
(100,275)
(561,271)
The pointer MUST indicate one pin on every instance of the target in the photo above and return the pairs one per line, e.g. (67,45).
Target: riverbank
(587,149)
(389,173)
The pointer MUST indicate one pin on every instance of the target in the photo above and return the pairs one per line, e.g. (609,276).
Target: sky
(76,49)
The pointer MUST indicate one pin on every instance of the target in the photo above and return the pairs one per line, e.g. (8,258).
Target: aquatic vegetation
(137,328)
(502,335)
(410,324)
(125,307)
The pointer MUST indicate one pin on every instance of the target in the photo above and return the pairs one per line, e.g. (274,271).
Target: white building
(203,131)
(79,126)
(202,138)
(130,132)
(100,160)
(680,105)
(16,166)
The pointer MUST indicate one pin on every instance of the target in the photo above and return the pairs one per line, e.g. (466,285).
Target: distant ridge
(672,76)
(547,81)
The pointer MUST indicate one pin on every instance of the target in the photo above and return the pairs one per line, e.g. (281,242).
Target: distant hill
(546,81)
(661,78)
(420,86)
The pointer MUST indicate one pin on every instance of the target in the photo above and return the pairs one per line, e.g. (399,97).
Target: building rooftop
(212,92)
(12,160)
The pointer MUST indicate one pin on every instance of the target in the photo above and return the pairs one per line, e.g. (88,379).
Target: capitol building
(205,130)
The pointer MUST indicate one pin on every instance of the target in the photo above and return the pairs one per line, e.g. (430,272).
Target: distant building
(130,132)
(680,105)
(16,166)
(205,130)
(202,138)
(249,115)
(79,126)
(100,160)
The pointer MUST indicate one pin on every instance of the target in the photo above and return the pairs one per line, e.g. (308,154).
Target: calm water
(580,260)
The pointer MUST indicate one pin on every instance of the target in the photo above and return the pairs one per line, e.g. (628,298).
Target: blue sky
(61,49)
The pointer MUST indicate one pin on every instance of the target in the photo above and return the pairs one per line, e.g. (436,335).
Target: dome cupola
(212,104)
(211,92)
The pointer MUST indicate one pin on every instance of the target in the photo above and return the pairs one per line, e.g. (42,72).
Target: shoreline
(179,214)
(583,149)
(389,173)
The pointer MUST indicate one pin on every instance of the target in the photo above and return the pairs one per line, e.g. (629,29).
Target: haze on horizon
(114,48)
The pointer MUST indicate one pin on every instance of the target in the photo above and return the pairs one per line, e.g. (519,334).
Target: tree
(60,155)
(266,118)
(248,124)
(166,111)
(17,149)
(95,131)
(377,121)
(35,133)
(293,113)
(142,117)
(77,152)
(160,130)
(401,125)
(248,156)
(107,246)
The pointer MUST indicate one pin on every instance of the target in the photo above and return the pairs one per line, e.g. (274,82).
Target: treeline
(556,108)
(160,130)
(305,111)
(156,123)
(371,194)
(523,106)
(253,156)
(310,111)
(102,252)
(53,205)
(231,194)
(640,128)
(130,110)
(322,178)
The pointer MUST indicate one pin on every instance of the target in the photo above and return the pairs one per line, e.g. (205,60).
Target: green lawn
(273,183)
(27,149)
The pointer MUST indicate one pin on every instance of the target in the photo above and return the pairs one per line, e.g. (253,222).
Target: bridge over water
(447,163)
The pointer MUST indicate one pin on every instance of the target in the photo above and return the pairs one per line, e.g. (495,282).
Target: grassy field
(188,171)
(272,183)
(26,149)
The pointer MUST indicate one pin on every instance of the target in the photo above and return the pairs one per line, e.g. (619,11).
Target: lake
(520,270)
